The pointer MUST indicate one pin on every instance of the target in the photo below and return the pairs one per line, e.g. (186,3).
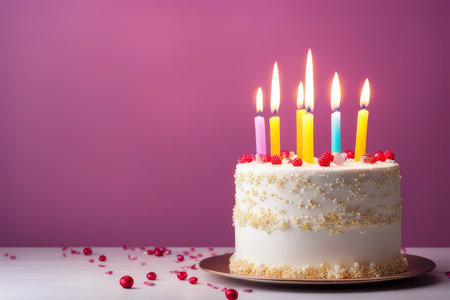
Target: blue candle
(336,132)
(336,115)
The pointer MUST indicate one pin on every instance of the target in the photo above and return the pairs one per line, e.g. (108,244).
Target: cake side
(314,222)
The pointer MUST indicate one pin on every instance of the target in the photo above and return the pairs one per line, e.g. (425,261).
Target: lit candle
(308,118)
(363,118)
(260,127)
(274,106)
(336,115)
(300,113)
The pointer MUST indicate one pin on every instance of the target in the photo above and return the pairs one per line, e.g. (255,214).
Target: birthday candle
(363,118)
(336,115)
(260,127)
(275,120)
(300,113)
(308,118)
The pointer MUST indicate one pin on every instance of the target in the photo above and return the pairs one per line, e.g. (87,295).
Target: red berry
(297,162)
(193,280)
(158,252)
(167,251)
(368,159)
(324,161)
(289,161)
(379,156)
(180,257)
(87,251)
(389,155)
(328,156)
(182,275)
(150,252)
(284,154)
(231,294)
(126,282)
(151,276)
(275,160)
(245,158)
(102,258)
(350,154)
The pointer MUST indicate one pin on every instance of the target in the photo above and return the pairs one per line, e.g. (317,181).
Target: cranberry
(158,252)
(284,154)
(151,276)
(126,282)
(193,280)
(87,251)
(368,159)
(180,257)
(182,275)
(102,258)
(167,251)
(350,154)
(379,156)
(231,294)
(150,252)
(389,155)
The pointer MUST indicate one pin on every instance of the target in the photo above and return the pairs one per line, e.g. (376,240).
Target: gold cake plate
(219,265)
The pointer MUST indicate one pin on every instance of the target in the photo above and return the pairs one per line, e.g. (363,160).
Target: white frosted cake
(313,222)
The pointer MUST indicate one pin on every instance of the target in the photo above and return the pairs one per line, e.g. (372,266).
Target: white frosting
(366,197)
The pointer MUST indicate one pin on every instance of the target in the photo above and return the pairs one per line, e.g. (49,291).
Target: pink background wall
(121,121)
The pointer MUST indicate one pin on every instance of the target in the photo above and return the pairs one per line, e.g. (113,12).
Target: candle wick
(337,108)
(259,113)
(275,112)
(363,106)
(308,109)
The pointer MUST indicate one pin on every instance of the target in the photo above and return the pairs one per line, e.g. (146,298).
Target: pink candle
(260,127)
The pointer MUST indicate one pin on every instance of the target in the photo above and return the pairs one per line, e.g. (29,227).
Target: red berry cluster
(326,159)
(378,156)
(275,160)
(158,251)
(245,158)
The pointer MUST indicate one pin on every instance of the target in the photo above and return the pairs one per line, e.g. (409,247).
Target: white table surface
(44,273)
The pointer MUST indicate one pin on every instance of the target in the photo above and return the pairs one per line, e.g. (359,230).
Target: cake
(314,222)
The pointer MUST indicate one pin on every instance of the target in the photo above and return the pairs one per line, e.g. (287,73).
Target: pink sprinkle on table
(248,290)
(186,252)
(91,260)
(149,283)
(13,257)
(109,272)
(102,266)
(143,263)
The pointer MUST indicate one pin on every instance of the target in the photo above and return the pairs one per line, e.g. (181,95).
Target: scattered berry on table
(126,282)
(182,275)
(193,280)
(151,275)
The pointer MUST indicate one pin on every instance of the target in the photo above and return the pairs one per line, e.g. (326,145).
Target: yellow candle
(275,148)
(300,113)
(363,118)
(308,138)
(275,135)
(308,119)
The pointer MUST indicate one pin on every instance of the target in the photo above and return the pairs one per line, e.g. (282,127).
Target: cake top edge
(349,164)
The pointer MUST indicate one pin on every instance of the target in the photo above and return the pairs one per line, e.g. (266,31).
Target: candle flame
(300,96)
(365,94)
(335,93)
(309,84)
(259,101)
(275,92)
